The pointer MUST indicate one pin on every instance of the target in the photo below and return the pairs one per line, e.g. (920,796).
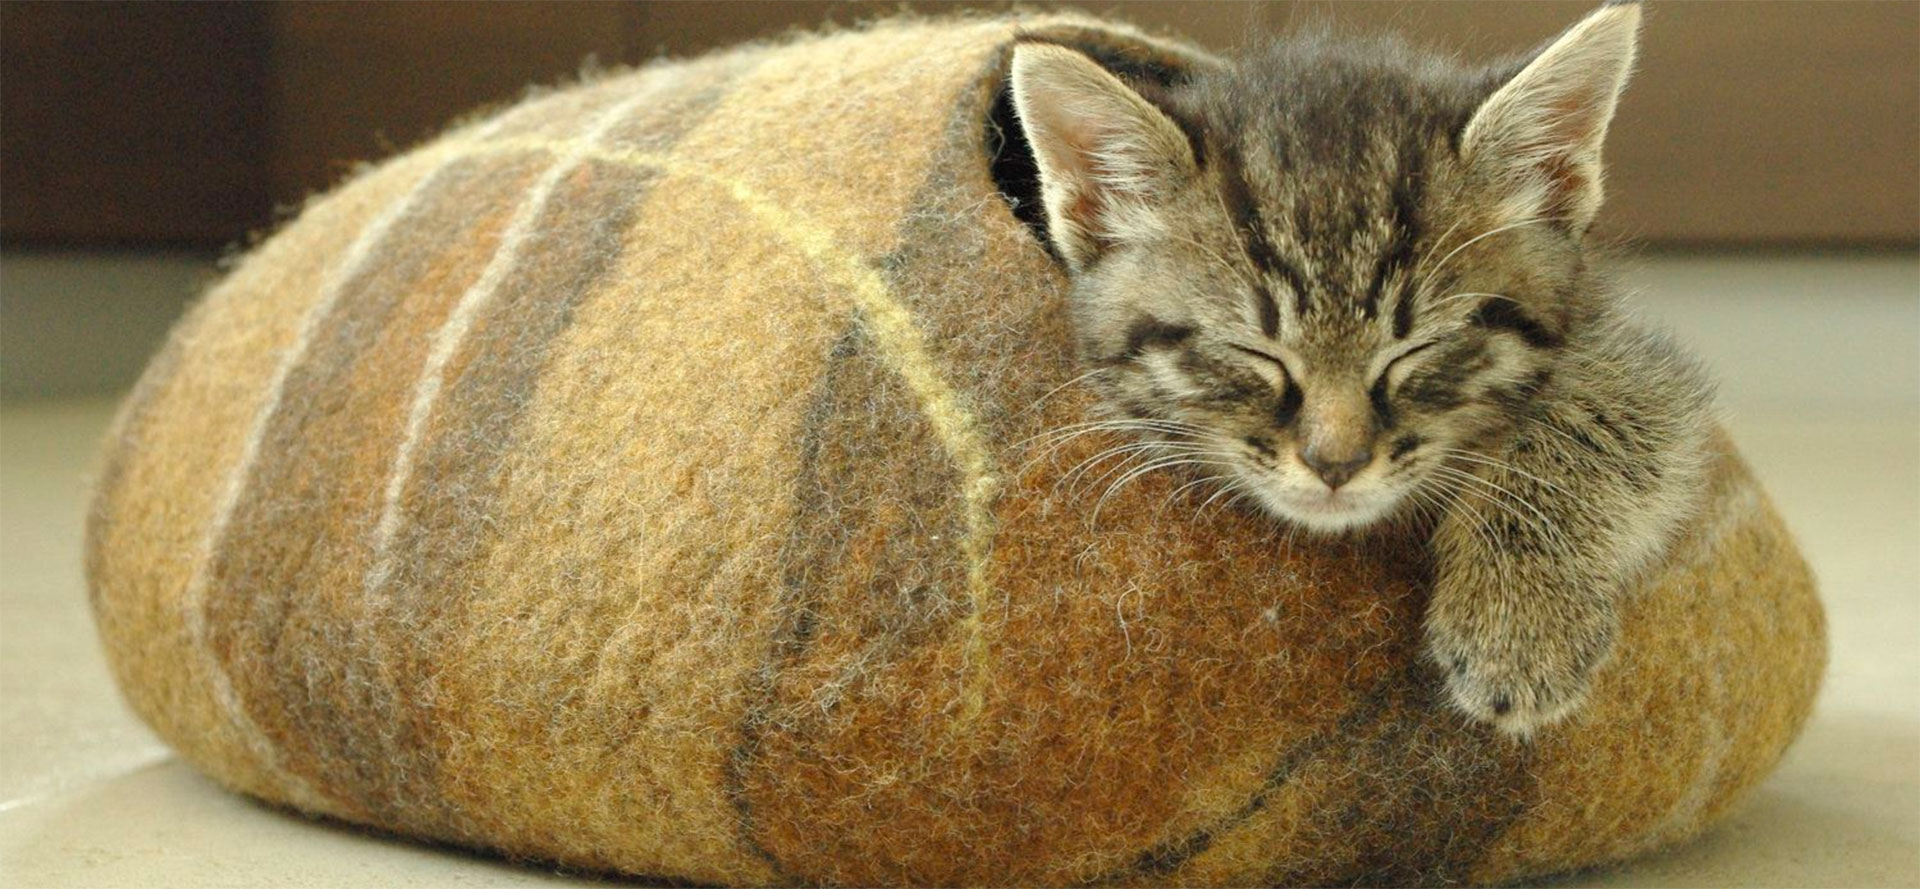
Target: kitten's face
(1329,275)
(1333,415)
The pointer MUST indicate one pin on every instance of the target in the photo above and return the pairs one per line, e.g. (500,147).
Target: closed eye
(1265,356)
(1382,379)
(1377,393)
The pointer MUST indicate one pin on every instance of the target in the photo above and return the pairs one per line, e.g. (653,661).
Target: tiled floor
(1820,360)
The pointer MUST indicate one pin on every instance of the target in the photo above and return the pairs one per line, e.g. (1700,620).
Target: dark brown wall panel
(353,81)
(1748,123)
(131,122)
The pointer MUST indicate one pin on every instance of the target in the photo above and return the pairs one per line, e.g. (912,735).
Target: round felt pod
(662,476)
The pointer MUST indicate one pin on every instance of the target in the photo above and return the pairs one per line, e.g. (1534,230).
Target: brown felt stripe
(288,617)
(869,570)
(571,257)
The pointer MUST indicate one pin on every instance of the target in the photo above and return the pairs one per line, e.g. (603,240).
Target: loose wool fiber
(654,477)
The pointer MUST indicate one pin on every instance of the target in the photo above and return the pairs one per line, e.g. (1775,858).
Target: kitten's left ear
(1539,135)
(1107,157)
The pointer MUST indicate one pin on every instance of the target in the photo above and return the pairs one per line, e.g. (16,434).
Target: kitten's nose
(1336,467)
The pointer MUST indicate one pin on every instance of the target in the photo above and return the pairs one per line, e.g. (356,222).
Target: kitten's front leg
(1530,558)
(1542,538)
(1518,622)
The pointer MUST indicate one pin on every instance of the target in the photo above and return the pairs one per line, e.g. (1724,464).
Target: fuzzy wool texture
(653,477)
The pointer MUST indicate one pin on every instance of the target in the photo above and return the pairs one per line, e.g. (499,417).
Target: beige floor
(1821,367)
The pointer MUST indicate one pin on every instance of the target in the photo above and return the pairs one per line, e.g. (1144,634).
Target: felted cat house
(654,477)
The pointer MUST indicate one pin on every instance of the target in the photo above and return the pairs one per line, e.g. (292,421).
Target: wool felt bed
(655,476)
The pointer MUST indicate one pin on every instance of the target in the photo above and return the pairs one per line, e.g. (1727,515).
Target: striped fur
(653,479)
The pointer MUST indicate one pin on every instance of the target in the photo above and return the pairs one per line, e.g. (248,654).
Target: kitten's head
(1335,270)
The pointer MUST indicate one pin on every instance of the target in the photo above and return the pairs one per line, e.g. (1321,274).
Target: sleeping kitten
(1358,274)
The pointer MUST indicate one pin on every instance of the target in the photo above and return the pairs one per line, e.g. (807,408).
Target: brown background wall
(186,124)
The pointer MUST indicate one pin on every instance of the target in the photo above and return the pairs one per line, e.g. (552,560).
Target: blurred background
(1764,168)
(153,137)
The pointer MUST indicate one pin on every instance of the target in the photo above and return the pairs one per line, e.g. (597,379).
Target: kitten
(1359,275)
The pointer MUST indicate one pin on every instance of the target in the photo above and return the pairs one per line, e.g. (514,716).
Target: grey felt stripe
(347,402)
(852,605)
(572,251)
(288,652)
(1169,857)
(1470,787)
(1422,797)
(799,603)
(445,519)
(441,536)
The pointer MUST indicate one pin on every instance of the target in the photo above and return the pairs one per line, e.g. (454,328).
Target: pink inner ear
(1085,211)
(1084,135)
(1570,122)
(1572,128)
(1096,143)
(1568,127)
(1566,184)
(1081,136)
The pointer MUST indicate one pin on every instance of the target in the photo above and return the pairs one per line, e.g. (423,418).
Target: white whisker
(1483,460)
(1506,502)
(1166,463)
(1175,495)
(1057,389)
(1435,271)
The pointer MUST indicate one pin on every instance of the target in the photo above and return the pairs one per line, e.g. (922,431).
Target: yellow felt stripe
(901,343)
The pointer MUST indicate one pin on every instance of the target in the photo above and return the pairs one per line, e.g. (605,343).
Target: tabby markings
(1503,314)
(1237,196)
(1149,332)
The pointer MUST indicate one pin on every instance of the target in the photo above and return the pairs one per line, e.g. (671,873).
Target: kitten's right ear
(1106,156)
(1540,134)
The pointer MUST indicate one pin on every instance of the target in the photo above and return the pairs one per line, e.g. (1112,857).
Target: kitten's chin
(1328,511)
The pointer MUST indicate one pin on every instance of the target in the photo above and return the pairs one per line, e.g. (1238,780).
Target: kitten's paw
(1517,692)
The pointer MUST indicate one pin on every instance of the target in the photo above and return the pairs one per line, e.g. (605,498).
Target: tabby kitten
(1358,275)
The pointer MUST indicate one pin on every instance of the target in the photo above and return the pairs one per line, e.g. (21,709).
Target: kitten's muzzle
(1337,432)
(1336,465)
